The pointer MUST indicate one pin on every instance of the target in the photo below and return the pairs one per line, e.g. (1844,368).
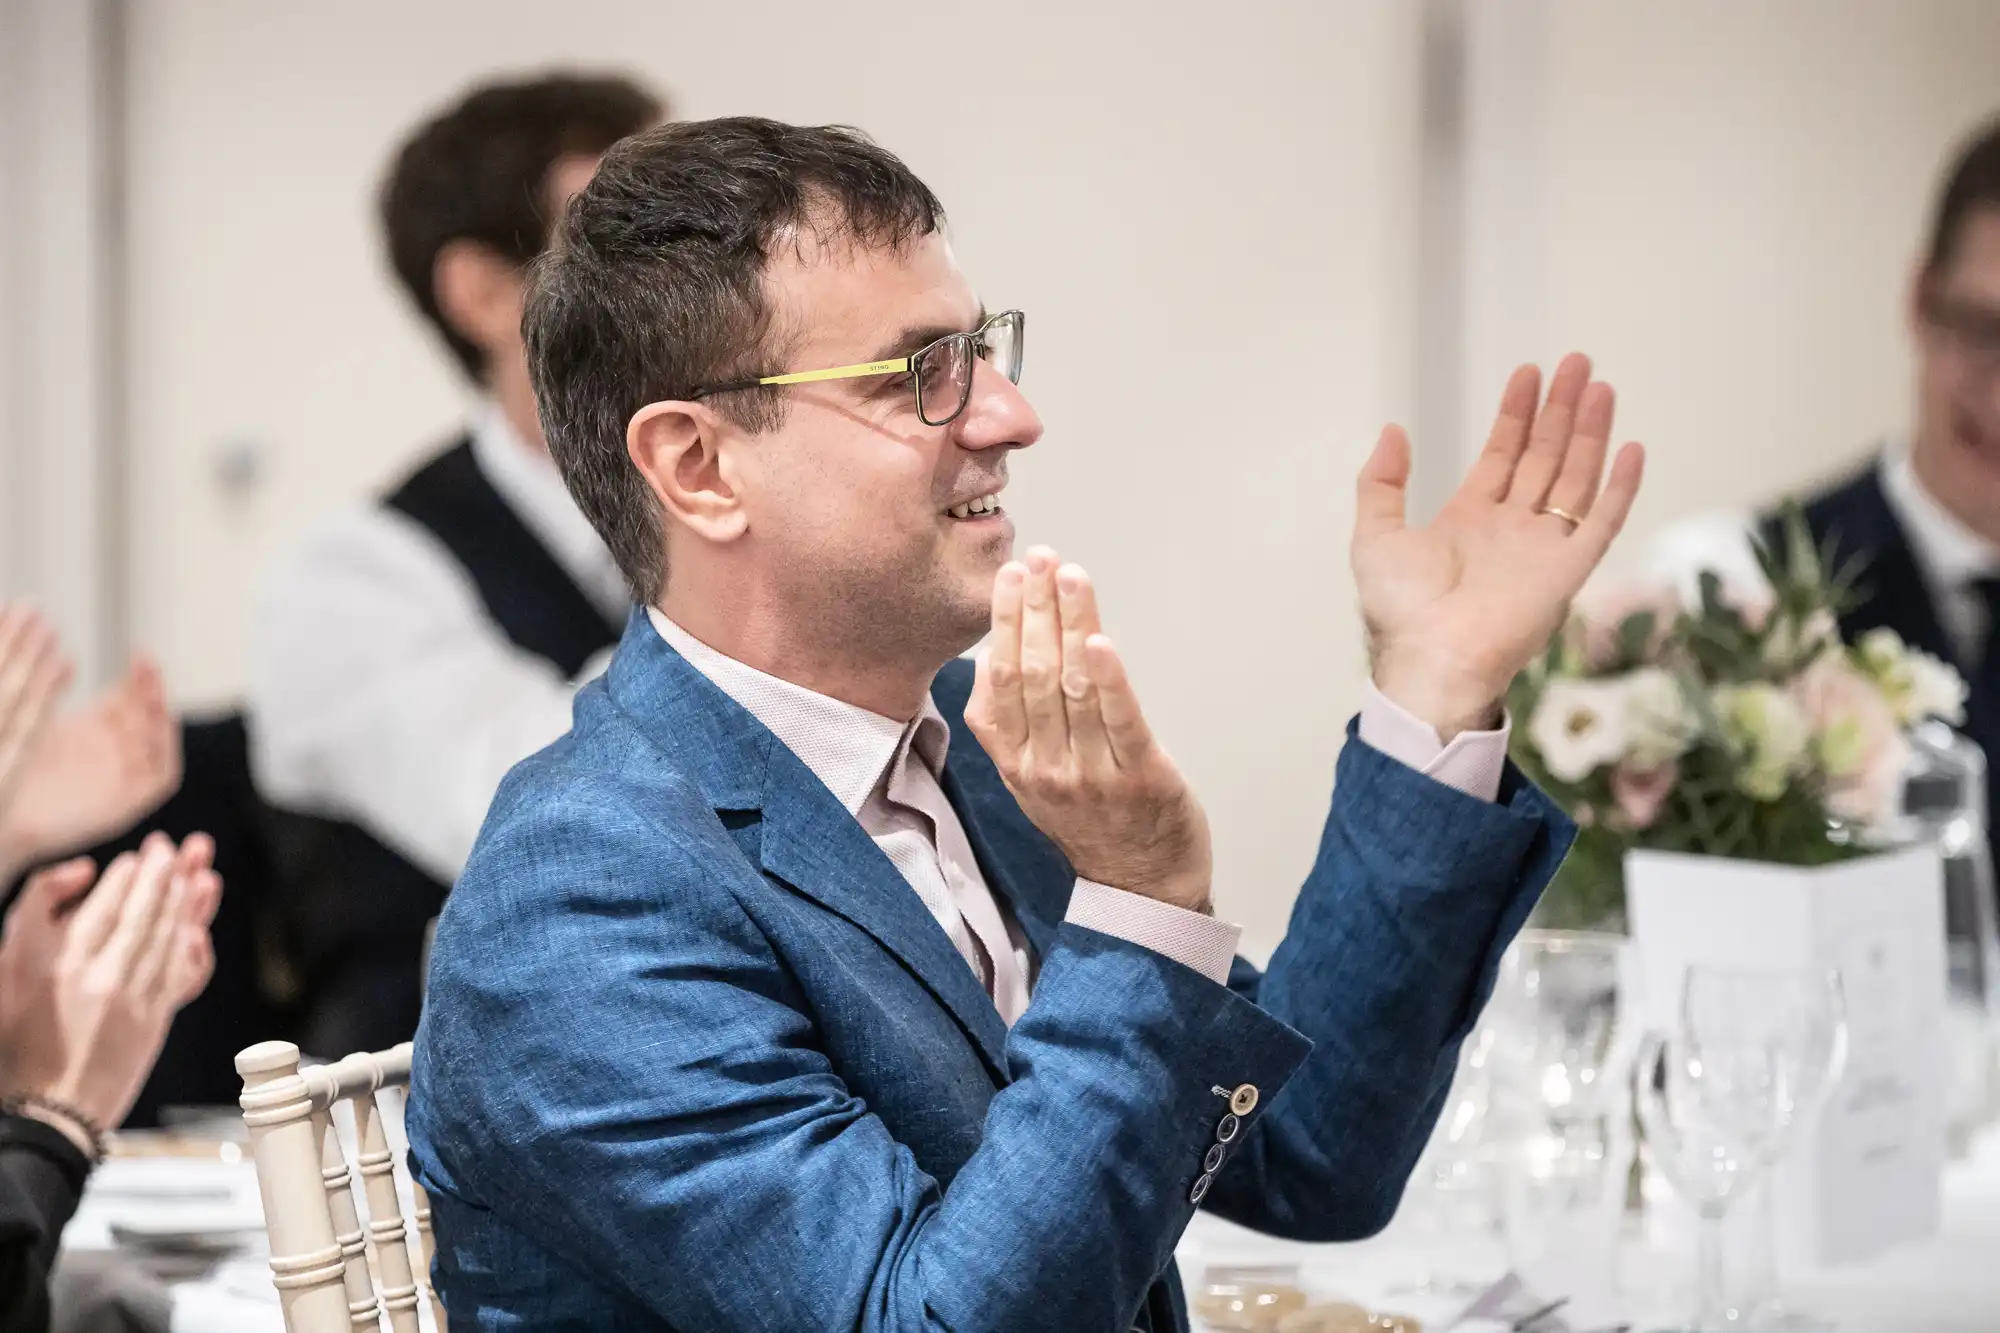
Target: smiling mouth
(984,506)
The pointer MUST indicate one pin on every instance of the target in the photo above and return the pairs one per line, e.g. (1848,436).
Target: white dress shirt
(381,692)
(1949,555)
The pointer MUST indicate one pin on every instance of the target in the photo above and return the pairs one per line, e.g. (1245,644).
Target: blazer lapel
(811,843)
(1021,865)
(804,837)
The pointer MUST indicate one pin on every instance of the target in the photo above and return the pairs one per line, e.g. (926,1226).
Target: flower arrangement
(1737,726)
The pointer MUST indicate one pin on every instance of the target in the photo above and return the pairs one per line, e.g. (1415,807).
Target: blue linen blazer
(696,1057)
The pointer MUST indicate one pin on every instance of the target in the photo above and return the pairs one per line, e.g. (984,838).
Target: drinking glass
(1944,806)
(1754,1056)
(1450,1206)
(1561,1105)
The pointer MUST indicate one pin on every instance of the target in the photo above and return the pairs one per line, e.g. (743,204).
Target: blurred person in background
(92,969)
(421,645)
(1921,519)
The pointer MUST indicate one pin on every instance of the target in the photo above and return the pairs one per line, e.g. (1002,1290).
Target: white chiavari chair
(336,1270)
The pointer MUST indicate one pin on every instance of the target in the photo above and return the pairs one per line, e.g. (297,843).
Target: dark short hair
(479,171)
(1973,184)
(655,287)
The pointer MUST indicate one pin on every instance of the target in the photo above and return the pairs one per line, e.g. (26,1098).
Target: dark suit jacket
(696,1057)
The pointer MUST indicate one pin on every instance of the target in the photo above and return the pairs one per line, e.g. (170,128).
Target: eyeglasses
(941,372)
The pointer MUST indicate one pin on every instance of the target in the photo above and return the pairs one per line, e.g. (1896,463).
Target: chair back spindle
(307,1265)
(322,1246)
(362,1309)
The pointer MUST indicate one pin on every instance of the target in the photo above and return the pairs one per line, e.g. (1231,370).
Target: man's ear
(479,292)
(1913,305)
(677,447)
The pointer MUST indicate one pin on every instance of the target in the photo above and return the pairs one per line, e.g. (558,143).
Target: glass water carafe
(1944,804)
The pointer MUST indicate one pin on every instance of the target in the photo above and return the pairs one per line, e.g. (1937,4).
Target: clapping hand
(90,984)
(1053,708)
(1455,609)
(33,675)
(92,773)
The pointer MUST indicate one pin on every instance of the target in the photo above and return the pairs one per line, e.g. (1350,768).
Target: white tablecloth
(1950,1284)
(153,1200)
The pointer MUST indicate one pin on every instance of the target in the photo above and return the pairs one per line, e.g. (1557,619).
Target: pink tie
(914,786)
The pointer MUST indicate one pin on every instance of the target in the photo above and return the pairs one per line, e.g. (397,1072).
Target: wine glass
(1754,1056)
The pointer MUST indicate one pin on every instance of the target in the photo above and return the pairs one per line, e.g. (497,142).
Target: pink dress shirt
(887,775)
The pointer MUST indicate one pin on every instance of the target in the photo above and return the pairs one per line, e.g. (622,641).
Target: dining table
(184,1216)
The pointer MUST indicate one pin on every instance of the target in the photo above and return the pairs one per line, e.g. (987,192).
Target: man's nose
(997,414)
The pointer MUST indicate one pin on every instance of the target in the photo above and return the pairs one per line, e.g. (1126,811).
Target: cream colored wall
(1207,213)
(1724,199)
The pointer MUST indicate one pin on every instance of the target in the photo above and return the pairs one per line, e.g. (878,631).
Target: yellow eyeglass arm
(840,372)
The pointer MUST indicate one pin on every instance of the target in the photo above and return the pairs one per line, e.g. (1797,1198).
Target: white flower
(1936,690)
(1880,650)
(1660,724)
(1916,684)
(1579,726)
(1768,732)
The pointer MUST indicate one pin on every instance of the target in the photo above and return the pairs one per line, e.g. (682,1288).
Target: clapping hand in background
(70,780)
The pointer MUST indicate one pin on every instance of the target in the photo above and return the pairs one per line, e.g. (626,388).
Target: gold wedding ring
(1564,514)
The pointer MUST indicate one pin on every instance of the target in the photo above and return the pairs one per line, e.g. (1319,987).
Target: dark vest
(355,910)
(1855,518)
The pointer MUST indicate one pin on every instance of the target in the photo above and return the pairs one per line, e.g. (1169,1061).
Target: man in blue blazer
(819,980)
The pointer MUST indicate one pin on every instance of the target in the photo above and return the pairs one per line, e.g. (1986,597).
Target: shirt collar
(847,747)
(1949,552)
(528,481)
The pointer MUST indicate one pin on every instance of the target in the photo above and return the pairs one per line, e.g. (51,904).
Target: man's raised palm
(1455,608)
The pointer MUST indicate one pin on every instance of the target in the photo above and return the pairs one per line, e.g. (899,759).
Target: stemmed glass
(1754,1057)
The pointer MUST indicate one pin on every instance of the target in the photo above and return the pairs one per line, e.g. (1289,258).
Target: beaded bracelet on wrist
(91,1129)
